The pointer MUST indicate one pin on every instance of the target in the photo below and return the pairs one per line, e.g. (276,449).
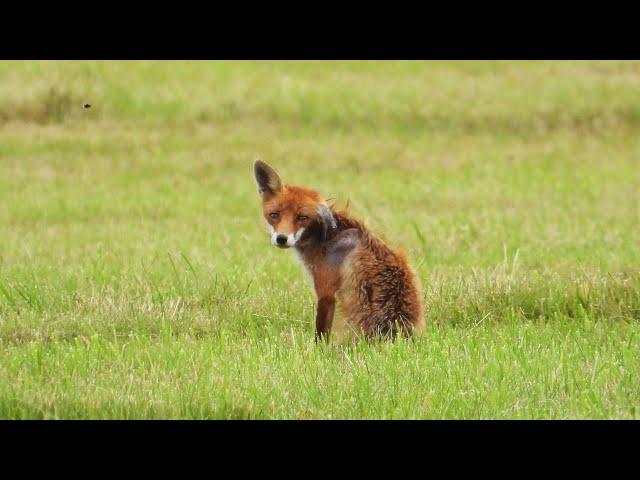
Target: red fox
(376,289)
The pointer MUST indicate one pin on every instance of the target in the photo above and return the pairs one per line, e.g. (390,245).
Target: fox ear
(327,221)
(267,179)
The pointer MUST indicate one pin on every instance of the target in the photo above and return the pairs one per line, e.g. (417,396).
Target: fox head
(295,215)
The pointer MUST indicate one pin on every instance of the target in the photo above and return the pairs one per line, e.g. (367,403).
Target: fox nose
(281,239)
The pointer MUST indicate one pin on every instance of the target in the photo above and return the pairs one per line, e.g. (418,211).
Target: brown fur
(379,292)
(376,290)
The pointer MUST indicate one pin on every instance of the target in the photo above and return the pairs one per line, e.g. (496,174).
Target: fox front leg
(327,280)
(324,317)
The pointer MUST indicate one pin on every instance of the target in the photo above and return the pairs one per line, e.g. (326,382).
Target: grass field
(137,279)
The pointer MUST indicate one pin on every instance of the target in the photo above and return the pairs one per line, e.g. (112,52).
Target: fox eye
(301,218)
(274,214)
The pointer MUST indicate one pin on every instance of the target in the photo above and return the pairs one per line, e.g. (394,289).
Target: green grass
(137,279)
